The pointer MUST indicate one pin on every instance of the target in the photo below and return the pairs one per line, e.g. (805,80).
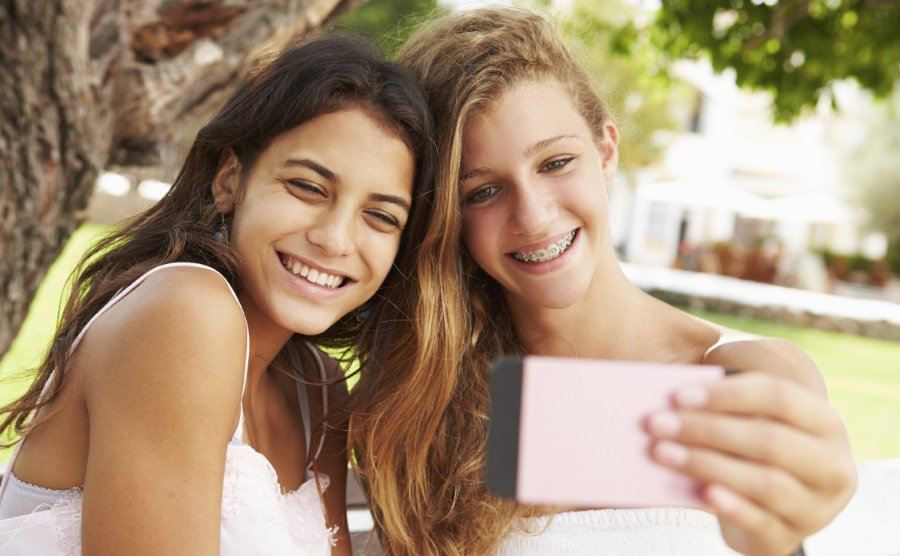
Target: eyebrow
(381,197)
(527,153)
(540,145)
(312,165)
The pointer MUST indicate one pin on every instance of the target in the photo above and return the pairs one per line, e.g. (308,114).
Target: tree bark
(93,83)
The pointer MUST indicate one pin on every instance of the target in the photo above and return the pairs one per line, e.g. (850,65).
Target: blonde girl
(518,260)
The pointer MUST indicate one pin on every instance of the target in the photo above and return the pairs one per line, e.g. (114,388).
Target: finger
(766,395)
(747,527)
(761,440)
(770,487)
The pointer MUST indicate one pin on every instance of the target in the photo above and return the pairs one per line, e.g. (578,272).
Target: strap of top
(303,397)
(115,299)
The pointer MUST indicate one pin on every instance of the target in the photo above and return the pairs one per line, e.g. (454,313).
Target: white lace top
(257,518)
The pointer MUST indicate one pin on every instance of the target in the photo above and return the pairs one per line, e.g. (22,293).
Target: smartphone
(571,432)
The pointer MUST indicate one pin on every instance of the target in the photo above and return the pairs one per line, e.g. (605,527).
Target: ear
(225,184)
(608,146)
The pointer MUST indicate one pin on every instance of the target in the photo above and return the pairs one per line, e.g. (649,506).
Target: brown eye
(384,218)
(306,187)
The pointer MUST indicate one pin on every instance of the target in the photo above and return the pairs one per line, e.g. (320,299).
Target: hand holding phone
(570,432)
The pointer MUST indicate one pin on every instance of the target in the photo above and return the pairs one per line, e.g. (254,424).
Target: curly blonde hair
(420,420)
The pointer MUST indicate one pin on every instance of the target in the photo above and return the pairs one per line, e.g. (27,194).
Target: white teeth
(548,253)
(311,274)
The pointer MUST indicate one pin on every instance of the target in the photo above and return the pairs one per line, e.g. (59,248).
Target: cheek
(379,252)
(584,193)
(261,216)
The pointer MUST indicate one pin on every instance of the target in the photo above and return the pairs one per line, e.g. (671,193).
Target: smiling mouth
(311,274)
(548,253)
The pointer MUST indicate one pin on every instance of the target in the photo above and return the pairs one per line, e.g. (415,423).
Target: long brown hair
(305,80)
(421,413)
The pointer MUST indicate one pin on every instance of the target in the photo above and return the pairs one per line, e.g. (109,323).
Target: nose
(333,233)
(533,209)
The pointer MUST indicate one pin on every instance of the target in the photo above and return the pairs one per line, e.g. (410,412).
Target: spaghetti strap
(323,377)
(303,398)
(115,299)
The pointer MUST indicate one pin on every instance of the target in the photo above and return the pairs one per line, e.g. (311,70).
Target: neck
(266,340)
(602,324)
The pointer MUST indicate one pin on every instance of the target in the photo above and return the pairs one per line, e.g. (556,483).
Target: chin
(554,298)
(310,324)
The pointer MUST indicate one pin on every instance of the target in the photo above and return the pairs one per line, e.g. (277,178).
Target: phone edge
(501,468)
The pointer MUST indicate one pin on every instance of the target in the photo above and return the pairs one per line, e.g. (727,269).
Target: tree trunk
(92,83)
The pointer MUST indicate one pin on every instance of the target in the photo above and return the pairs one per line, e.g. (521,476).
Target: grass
(863,374)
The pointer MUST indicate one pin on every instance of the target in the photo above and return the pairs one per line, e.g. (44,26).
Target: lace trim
(251,492)
(44,490)
(68,509)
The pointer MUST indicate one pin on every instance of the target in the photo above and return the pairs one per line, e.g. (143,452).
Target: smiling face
(533,187)
(320,220)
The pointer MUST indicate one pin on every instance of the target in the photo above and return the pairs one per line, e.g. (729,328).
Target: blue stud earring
(222,231)
(363,312)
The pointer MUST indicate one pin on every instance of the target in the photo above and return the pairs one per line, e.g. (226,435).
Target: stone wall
(882,330)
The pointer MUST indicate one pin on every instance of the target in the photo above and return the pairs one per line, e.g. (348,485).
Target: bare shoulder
(164,372)
(178,337)
(741,351)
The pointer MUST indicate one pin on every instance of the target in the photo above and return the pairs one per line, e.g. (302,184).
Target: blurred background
(760,157)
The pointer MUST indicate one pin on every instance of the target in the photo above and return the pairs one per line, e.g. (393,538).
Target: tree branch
(780,24)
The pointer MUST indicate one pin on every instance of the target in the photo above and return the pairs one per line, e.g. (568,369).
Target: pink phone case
(582,440)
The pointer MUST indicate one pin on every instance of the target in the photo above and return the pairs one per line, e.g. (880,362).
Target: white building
(733,176)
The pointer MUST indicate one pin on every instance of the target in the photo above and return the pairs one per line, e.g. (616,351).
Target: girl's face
(321,217)
(533,187)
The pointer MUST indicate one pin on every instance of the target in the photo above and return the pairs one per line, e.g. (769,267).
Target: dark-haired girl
(182,407)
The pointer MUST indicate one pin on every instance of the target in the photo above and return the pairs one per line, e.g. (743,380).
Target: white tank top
(623,532)
(257,518)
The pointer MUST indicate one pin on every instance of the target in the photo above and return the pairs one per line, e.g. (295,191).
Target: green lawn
(863,375)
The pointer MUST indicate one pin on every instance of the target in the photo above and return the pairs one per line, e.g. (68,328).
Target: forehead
(524,114)
(352,143)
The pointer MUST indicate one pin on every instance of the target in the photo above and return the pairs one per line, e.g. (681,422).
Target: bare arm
(163,379)
(771,355)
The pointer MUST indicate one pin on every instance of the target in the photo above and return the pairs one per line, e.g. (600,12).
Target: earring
(363,312)
(222,231)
